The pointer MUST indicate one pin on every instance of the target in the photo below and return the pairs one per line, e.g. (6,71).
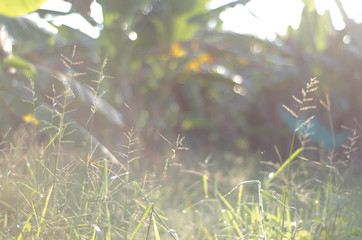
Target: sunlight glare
(56,5)
(75,20)
(132,36)
(96,12)
(266,19)
(263,18)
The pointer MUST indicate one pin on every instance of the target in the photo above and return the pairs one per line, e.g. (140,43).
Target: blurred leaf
(13,98)
(103,106)
(190,123)
(20,63)
(17,8)
(182,29)
(29,32)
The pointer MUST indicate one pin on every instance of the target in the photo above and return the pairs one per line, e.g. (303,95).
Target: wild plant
(311,194)
(50,190)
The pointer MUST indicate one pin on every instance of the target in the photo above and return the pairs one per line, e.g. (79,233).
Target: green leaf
(20,63)
(190,123)
(17,8)
(46,203)
(145,214)
(104,188)
(155,229)
(270,196)
(206,191)
(232,216)
(287,162)
(45,208)
(7,205)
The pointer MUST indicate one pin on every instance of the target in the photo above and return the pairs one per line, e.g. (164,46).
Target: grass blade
(287,162)
(231,214)
(206,191)
(267,194)
(104,188)
(45,209)
(46,203)
(234,223)
(98,232)
(51,141)
(145,214)
(155,229)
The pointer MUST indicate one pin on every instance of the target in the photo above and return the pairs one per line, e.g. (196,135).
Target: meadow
(53,189)
(162,125)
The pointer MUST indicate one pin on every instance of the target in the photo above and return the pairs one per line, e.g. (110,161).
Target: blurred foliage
(174,71)
(16,8)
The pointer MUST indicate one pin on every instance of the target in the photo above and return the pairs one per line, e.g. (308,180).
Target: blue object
(318,132)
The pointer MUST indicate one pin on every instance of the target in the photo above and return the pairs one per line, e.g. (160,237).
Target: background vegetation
(98,133)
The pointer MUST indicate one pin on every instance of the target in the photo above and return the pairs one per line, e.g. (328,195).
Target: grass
(53,191)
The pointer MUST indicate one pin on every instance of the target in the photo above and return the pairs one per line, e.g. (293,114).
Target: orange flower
(177,51)
(195,64)
(206,58)
(30,118)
